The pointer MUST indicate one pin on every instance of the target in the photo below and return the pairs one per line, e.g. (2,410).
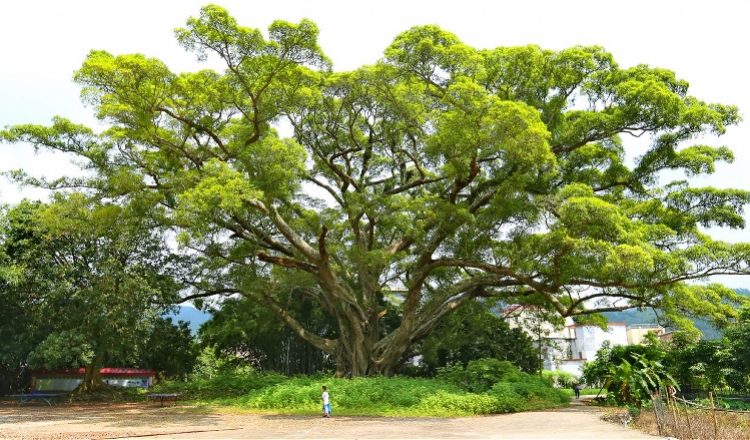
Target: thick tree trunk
(361,360)
(92,378)
(354,351)
(360,351)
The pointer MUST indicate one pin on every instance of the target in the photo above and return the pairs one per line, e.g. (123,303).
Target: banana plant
(630,383)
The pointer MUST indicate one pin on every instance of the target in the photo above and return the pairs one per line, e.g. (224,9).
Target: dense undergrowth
(695,424)
(484,387)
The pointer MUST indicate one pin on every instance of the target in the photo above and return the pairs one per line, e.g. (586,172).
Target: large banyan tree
(438,175)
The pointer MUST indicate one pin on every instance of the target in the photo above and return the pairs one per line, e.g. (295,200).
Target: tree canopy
(242,329)
(474,332)
(91,281)
(439,174)
(714,364)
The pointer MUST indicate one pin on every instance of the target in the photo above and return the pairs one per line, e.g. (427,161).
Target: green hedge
(486,387)
(369,396)
(225,385)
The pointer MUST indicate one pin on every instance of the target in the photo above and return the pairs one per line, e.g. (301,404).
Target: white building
(583,343)
(567,347)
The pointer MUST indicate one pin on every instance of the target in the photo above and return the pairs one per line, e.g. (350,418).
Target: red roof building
(69,378)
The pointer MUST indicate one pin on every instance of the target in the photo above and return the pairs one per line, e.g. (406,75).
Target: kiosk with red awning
(69,378)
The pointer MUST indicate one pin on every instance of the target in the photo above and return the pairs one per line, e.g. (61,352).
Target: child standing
(326,404)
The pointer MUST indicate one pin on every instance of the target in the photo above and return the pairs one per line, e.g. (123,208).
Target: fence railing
(681,418)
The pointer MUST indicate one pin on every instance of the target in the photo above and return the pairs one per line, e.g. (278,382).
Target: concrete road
(139,421)
(561,424)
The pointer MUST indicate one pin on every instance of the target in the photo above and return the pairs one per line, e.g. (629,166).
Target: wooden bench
(26,398)
(164,397)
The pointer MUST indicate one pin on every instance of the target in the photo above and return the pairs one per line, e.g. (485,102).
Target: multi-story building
(567,347)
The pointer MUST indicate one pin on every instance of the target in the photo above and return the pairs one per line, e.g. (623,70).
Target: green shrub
(561,379)
(382,396)
(284,396)
(506,399)
(225,385)
(454,374)
(526,393)
(444,403)
(366,396)
(480,375)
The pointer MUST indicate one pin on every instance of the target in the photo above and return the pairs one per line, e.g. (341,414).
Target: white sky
(43,42)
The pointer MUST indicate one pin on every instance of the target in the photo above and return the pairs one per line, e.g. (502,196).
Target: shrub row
(225,385)
(483,388)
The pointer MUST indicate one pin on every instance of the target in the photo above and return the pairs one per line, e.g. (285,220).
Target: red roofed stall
(69,378)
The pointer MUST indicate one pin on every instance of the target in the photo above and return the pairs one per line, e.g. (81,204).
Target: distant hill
(192,316)
(634,316)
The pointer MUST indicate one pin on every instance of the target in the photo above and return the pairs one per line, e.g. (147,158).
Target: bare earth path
(139,421)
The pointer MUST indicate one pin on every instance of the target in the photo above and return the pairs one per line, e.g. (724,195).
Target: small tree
(254,334)
(632,382)
(700,365)
(96,278)
(737,339)
(475,332)
(608,356)
(479,375)
(170,349)
(712,364)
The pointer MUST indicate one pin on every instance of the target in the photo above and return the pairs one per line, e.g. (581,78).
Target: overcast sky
(43,42)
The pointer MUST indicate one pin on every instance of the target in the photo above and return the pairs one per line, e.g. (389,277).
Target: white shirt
(325,397)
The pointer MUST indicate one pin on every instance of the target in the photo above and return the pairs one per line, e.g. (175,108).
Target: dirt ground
(143,421)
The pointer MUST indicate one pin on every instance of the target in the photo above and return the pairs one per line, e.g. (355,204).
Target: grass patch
(376,396)
(372,396)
